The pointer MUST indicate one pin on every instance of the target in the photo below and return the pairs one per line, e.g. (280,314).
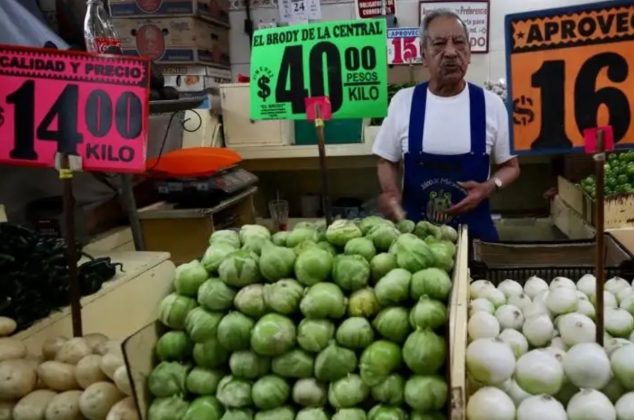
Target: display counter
(122,306)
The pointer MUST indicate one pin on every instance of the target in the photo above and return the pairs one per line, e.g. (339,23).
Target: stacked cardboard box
(181,32)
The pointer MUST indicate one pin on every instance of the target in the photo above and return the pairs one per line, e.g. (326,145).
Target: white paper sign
(299,11)
(474,13)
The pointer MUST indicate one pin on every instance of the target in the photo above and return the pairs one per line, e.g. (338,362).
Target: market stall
(284,295)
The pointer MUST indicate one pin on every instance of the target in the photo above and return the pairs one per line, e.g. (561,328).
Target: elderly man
(445,131)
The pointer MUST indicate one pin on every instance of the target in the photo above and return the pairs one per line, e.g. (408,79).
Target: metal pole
(66,176)
(599,160)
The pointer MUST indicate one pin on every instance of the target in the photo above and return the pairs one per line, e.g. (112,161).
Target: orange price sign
(570,69)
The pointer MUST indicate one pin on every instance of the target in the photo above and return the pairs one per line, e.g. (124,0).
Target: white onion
(476,287)
(509,316)
(510,288)
(490,403)
(516,392)
(558,343)
(576,328)
(538,330)
(541,296)
(557,352)
(587,284)
(562,300)
(618,322)
(628,304)
(539,372)
(616,284)
(534,285)
(515,340)
(614,390)
(587,366)
(586,308)
(490,361)
(622,361)
(536,308)
(609,300)
(582,296)
(521,301)
(562,282)
(540,407)
(590,404)
(611,344)
(624,293)
(481,304)
(496,297)
(483,325)
(625,407)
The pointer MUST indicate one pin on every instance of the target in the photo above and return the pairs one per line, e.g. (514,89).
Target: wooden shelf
(309,151)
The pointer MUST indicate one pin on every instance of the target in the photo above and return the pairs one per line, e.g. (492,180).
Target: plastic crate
(518,261)
(343,131)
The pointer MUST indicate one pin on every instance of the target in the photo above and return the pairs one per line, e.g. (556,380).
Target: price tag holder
(77,103)
(403,46)
(570,69)
(343,60)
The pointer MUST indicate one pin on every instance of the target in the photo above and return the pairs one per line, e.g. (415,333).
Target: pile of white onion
(532,353)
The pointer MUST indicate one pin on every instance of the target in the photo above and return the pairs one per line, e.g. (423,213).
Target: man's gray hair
(439,13)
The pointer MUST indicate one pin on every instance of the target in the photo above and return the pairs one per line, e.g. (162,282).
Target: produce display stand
(124,304)
(557,79)
(139,354)
(498,261)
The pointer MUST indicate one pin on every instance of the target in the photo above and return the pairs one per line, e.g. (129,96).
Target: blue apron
(430,181)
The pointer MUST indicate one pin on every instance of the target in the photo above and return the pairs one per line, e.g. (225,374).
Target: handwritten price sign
(570,69)
(403,46)
(344,60)
(56,101)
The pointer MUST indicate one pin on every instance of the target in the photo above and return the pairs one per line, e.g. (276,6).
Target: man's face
(446,51)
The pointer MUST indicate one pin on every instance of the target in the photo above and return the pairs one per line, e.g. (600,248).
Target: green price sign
(344,60)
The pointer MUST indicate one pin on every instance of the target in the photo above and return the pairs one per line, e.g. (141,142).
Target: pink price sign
(88,105)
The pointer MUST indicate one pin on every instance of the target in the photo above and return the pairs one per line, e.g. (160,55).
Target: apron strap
(417,119)
(477,110)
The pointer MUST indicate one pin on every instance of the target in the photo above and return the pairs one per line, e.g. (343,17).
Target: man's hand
(390,205)
(476,193)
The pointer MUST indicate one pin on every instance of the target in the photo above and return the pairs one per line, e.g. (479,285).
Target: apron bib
(430,181)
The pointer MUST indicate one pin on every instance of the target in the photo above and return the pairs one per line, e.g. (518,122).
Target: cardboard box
(196,69)
(618,211)
(197,83)
(181,40)
(213,10)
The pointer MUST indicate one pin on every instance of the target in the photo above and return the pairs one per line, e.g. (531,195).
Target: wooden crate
(184,233)
(569,221)
(458,307)
(540,259)
(138,349)
(619,211)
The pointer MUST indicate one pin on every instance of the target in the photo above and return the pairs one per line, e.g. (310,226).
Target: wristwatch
(498,182)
